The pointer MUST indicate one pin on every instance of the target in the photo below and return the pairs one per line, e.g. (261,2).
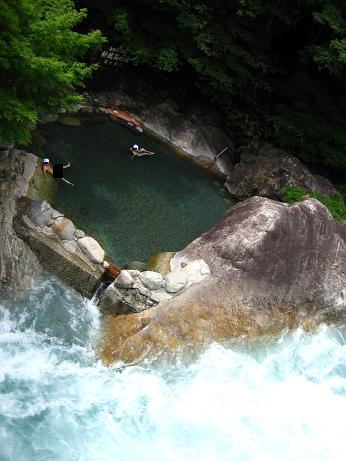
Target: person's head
(135,147)
(46,161)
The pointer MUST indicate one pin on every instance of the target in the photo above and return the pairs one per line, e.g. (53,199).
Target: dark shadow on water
(134,207)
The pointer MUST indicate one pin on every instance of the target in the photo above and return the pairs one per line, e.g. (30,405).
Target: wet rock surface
(268,170)
(272,266)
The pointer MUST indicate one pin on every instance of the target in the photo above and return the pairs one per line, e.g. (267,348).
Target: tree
(40,65)
(276,69)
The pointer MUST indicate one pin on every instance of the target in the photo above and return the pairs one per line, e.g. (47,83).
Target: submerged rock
(267,171)
(136,265)
(68,120)
(160,262)
(272,266)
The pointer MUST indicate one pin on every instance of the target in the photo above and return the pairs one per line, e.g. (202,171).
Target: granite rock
(268,170)
(272,267)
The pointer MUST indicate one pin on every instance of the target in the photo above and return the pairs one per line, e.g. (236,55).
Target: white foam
(282,402)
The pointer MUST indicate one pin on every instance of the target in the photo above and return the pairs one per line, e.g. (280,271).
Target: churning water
(285,401)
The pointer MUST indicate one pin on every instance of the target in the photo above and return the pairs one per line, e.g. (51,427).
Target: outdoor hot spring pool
(133,207)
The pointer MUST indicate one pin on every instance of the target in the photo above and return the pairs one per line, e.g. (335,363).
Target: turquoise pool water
(134,208)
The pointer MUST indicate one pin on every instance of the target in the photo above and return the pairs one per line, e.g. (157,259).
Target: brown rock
(268,170)
(273,266)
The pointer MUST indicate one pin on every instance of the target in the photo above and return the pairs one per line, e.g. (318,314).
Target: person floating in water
(139,152)
(57,170)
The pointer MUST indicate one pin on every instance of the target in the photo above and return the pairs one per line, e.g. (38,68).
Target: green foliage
(39,61)
(276,69)
(335,205)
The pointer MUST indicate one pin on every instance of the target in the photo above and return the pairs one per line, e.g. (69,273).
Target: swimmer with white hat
(55,170)
(139,152)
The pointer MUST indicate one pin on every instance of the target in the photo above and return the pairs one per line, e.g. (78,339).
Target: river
(262,402)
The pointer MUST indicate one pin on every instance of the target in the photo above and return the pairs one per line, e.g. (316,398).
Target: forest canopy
(276,69)
(40,52)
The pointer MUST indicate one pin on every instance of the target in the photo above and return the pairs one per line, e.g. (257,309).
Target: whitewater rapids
(283,401)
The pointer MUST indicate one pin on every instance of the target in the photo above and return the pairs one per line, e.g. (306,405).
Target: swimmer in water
(55,170)
(139,152)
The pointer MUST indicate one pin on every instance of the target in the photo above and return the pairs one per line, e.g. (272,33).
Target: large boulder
(272,266)
(267,171)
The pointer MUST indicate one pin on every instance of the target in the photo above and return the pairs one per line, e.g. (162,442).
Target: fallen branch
(216,156)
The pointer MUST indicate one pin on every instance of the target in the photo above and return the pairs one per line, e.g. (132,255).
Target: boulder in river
(272,266)
(267,171)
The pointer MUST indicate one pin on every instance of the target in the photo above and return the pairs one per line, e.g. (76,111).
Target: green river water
(134,208)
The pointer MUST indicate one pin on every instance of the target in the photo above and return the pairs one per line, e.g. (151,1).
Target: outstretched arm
(68,182)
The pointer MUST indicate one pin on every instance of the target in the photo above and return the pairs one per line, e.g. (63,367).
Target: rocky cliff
(18,264)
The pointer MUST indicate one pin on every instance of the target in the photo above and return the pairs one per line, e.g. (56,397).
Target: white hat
(46,160)
(135,147)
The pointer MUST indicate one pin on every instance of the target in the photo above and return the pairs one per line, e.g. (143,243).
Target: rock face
(18,264)
(58,255)
(272,266)
(196,133)
(267,171)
